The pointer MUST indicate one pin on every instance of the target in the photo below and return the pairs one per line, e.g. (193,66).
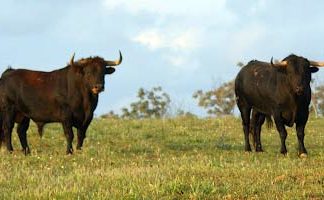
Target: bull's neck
(79,95)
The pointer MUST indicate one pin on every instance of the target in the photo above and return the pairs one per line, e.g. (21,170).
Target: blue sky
(181,45)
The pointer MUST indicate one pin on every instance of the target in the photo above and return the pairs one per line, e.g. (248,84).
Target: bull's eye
(88,73)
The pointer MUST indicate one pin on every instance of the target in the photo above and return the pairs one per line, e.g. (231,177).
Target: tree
(220,101)
(152,103)
(318,99)
(186,114)
(111,115)
(240,64)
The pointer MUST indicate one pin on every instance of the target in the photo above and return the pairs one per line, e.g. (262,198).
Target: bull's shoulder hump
(22,70)
(258,63)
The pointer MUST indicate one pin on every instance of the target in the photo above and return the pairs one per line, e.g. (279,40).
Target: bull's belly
(265,109)
(45,118)
(51,112)
(287,116)
(44,114)
(76,121)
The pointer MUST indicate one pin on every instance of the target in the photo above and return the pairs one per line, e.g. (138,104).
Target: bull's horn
(116,62)
(316,64)
(72,59)
(279,64)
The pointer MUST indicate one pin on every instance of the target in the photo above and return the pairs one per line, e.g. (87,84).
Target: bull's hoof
(248,149)
(79,148)
(303,155)
(259,150)
(284,152)
(10,150)
(69,152)
(26,151)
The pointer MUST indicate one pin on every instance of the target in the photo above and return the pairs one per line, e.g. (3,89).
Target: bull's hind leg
(282,131)
(69,137)
(8,124)
(1,131)
(245,115)
(2,137)
(22,133)
(259,120)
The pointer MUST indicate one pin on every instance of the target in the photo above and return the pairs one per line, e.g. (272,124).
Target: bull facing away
(68,95)
(280,90)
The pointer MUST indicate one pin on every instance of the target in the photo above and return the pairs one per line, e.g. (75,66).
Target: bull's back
(37,94)
(7,72)
(255,85)
(252,77)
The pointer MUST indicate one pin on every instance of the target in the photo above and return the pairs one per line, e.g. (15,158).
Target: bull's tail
(269,121)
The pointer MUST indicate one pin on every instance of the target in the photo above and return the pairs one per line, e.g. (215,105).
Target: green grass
(183,158)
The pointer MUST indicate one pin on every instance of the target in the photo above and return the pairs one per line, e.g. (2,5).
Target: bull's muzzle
(98,88)
(299,90)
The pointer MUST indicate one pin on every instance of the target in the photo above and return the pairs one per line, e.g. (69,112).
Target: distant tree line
(219,101)
(153,103)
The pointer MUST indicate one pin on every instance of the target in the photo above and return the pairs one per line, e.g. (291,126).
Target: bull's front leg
(8,124)
(82,131)
(22,133)
(282,131)
(300,129)
(68,131)
(301,120)
(81,137)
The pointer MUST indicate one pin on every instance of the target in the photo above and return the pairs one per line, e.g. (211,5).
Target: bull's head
(298,70)
(93,71)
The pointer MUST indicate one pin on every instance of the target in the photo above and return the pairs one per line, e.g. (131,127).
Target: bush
(219,101)
(152,103)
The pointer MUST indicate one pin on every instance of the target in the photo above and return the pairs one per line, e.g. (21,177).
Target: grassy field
(183,158)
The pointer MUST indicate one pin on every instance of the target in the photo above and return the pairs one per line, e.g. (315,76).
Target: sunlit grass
(183,158)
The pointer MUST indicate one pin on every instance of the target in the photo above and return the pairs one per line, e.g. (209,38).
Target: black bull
(280,90)
(68,95)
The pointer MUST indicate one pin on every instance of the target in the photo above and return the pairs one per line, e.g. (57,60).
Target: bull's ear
(109,70)
(313,69)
